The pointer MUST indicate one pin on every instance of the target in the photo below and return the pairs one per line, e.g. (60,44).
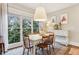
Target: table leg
(2,48)
(34,48)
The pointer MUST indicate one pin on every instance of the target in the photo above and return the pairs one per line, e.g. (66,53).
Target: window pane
(35,26)
(26,26)
(13,29)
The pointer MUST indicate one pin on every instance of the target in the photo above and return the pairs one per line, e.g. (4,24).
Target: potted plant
(56,27)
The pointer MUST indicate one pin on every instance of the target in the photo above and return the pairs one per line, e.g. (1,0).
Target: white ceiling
(50,7)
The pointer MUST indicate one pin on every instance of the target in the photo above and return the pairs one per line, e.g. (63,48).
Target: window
(13,29)
(36,26)
(26,26)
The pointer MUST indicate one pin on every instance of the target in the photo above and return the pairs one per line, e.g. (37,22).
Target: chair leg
(23,51)
(43,51)
(3,48)
(53,49)
(30,49)
(49,49)
(36,52)
(28,52)
(0,52)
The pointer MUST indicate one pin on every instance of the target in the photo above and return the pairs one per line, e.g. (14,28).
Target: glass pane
(41,26)
(26,26)
(36,26)
(13,29)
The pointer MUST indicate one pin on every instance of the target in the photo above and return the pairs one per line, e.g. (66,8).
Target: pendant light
(40,14)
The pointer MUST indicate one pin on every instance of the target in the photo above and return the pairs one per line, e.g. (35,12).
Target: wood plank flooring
(59,50)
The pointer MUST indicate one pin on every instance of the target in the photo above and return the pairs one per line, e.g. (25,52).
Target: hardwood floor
(71,50)
(59,50)
(74,50)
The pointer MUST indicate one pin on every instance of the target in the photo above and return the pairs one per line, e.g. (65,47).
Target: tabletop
(35,37)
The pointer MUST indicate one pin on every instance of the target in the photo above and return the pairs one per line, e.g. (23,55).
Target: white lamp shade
(40,14)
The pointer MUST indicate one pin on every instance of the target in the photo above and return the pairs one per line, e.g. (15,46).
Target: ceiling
(49,7)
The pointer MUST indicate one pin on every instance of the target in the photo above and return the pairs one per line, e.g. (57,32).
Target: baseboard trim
(14,47)
(74,44)
(61,43)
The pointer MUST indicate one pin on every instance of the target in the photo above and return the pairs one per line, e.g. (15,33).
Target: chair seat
(48,42)
(42,45)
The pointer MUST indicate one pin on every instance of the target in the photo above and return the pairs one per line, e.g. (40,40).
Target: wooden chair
(26,45)
(50,42)
(43,45)
(2,47)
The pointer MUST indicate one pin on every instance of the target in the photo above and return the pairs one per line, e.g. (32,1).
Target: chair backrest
(44,38)
(50,39)
(26,42)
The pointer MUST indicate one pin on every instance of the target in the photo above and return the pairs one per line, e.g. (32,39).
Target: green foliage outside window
(13,29)
(35,26)
(26,26)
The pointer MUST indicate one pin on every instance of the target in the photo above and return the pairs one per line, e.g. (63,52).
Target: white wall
(73,22)
(5,25)
(19,10)
(0,21)
(18,6)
